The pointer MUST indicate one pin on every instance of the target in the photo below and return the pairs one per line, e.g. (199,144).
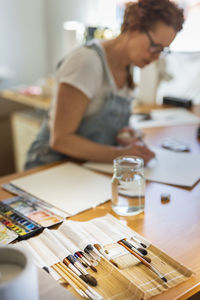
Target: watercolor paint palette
(33,211)
(21,225)
(6,235)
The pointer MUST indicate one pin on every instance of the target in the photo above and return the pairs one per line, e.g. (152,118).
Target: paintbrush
(81,238)
(83,286)
(152,268)
(67,257)
(71,247)
(130,246)
(75,270)
(141,250)
(70,258)
(56,250)
(89,249)
(138,241)
(80,259)
(89,279)
(89,258)
(85,261)
(69,281)
(76,284)
(124,230)
(102,251)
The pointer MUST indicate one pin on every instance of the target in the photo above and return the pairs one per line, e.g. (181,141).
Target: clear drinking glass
(128,186)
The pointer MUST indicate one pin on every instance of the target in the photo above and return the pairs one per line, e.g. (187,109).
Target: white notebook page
(169,167)
(68,186)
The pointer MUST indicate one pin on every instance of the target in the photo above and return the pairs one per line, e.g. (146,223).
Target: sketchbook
(165,117)
(68,186)
(182,169)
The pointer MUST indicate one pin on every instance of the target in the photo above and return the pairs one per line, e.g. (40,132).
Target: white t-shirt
(83,69)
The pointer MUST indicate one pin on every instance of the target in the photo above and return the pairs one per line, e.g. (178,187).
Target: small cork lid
(165,197)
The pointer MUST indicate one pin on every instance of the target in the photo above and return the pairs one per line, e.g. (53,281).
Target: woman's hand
(138,148)
(127,136)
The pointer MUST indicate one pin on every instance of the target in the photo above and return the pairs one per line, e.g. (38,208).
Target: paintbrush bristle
(91,280)
(46,269)
(84,278)
(97,246)
(143,251)
(143,245)
(85,266)
(164,279)
(93,268)
(148,259)
(114,263)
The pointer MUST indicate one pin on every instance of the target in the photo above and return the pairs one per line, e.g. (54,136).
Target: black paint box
(175,101)
(17,222)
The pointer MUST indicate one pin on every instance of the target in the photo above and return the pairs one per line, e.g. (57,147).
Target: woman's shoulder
(84,57)
(82,69)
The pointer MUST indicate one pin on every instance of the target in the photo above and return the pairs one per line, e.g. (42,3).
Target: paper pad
(169,167)
(68,187)
(165,117)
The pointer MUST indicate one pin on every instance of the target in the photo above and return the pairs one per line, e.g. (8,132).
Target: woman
(92,99)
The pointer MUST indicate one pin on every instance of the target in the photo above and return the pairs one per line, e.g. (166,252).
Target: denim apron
(101,127)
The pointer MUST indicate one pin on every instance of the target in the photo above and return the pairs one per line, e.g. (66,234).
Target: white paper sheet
(165,117)
(69,187)
(169,167)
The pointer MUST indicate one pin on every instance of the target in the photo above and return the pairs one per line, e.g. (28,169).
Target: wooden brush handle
(135,254)
(72,277)
(65,277)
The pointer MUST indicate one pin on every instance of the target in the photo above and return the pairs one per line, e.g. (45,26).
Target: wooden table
(22,116)
(174,227)
(34,101)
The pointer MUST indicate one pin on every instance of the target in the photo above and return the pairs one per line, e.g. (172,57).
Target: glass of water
(128,186)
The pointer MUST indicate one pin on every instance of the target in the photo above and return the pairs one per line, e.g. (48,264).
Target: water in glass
(128,186)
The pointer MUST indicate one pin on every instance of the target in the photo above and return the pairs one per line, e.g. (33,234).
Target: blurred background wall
(31,34)
(23,47)
(33,40)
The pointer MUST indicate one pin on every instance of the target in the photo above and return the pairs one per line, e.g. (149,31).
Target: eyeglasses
(156,48)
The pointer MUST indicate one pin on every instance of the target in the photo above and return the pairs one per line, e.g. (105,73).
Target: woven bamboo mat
(112,284)
(137,282)
(145,280)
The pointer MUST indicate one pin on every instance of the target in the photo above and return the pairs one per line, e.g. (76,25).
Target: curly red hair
(144,14)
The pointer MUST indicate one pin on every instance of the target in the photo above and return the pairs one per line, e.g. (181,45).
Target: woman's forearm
(81,148)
